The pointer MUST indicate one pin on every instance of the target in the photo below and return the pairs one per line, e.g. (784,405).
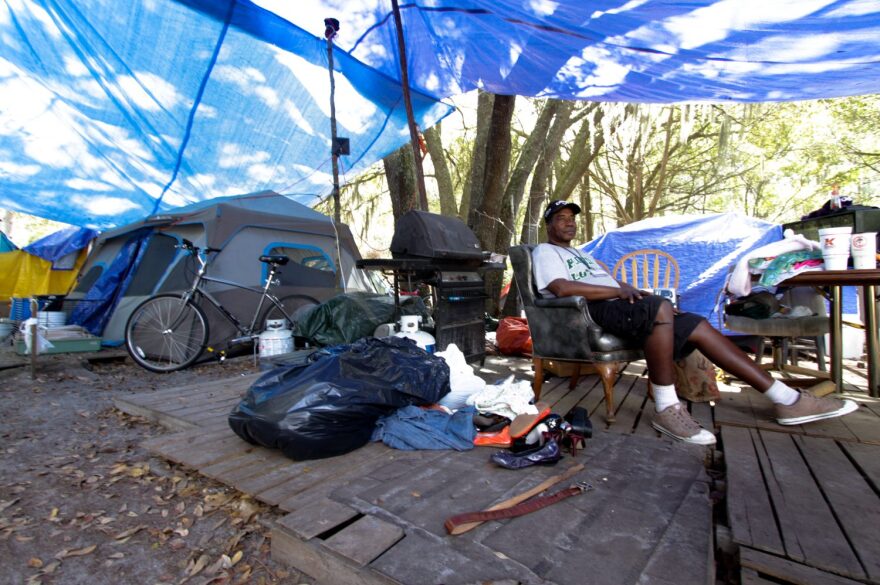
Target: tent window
(308,266)
(88,279)
(160,253)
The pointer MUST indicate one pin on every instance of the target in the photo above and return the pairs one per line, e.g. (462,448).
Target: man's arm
(562,287)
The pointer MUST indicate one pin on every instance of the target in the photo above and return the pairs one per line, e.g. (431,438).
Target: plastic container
(863,247)
(409,327)
(835,243)
(277,339)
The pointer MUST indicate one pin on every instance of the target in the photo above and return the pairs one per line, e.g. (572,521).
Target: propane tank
(276,339)
(409,327)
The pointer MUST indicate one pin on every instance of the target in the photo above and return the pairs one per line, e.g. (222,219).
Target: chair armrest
(579,303)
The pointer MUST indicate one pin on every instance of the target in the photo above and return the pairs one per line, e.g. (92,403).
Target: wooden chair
(647,269)
(563,330)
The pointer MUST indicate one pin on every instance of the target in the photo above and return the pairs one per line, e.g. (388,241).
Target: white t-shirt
(552,262)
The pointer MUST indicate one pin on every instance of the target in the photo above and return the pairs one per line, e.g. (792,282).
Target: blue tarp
(649,51)
(705,247)
(6,244)
(113,111)
(59,244)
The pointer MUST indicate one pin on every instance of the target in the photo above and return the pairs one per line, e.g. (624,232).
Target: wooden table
(868,280)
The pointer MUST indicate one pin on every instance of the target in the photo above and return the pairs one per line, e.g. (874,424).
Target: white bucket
(50,319)
(276,339)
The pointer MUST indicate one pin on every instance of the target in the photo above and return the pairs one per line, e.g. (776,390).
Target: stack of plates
(50,319)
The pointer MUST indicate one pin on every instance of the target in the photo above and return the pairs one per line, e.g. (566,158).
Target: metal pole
(413,130)
(330,30)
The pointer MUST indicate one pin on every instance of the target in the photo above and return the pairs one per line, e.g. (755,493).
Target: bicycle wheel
(294,305)
(164,334)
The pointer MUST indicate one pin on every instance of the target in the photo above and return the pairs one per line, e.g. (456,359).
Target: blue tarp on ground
(113,110)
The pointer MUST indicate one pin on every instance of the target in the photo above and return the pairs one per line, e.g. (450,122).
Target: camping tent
(45,267)
(705,246)
(116,110)
(130,263)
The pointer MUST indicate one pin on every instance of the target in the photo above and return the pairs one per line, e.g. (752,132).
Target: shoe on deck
(808,408)
(676,422)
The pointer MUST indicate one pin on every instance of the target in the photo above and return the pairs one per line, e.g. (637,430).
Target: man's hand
(629,293)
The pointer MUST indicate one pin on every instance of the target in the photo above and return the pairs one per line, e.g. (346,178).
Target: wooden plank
(749,509)
(787,571)
(322,516)
(685,552)
(365,539)
(855,504)
(809,530)
(289,494)
(313,559)
(630,408)
(198,455)
(867,461)
(750,577)
(734,408)
(702,413)
(570,399)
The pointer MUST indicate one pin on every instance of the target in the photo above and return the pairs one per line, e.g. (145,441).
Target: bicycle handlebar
(193,249)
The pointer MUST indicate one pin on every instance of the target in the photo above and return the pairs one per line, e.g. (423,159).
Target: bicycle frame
(197,291)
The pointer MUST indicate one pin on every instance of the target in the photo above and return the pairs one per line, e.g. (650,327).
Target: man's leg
(791,406)
(670,417)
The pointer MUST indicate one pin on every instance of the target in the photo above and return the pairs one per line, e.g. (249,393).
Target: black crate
(469,337)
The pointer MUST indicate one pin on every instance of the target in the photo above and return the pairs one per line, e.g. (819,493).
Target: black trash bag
(330,406)
(348,317)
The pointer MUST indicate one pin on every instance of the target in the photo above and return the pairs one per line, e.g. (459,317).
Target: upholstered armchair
(562,330)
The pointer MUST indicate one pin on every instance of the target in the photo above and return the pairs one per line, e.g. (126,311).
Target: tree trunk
(441,171)
(538,192)
(401,177)
(472,194)
(484,218)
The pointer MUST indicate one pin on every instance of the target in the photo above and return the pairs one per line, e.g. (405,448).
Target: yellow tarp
(23,275)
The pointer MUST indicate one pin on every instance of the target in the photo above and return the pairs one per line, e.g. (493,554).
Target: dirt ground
(82,502)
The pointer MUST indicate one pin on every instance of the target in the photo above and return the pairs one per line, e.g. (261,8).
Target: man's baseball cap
(555,206)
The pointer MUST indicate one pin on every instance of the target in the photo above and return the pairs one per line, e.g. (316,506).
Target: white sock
(664,397)
(780,393)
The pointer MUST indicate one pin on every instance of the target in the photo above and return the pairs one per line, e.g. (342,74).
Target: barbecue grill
(443,253)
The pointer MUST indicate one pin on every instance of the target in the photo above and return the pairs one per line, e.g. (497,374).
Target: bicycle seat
(273,259)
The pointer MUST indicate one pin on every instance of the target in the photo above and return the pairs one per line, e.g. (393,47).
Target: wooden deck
(376,515)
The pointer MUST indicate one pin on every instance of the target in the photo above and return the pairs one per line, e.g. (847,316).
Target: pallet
(813,501)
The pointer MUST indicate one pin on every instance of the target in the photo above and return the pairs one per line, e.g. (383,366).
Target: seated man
(665,334)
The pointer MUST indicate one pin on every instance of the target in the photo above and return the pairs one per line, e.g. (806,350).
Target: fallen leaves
(76,552)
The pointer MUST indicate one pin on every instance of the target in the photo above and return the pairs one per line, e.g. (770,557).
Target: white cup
(864,250)
(835,243)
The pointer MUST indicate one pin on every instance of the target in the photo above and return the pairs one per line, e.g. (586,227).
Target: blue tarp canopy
(113,111)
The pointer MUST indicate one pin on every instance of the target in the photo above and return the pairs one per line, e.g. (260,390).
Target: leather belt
(516,510)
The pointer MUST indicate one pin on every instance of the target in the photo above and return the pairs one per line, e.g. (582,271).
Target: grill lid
(429,235)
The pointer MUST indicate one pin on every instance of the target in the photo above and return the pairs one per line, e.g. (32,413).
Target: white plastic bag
(463,382)
(43,344)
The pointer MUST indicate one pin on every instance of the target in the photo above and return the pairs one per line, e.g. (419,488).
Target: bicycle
(169,331)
